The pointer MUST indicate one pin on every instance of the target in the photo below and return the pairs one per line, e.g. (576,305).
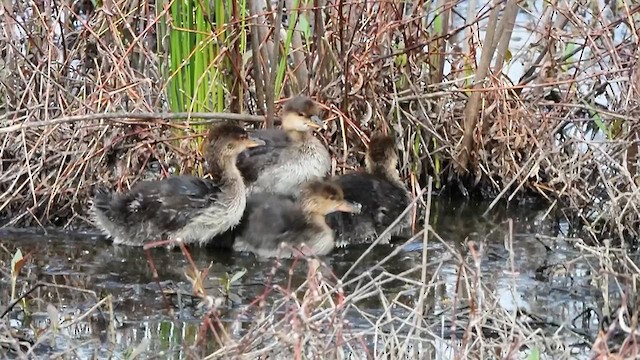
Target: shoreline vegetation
(113,94)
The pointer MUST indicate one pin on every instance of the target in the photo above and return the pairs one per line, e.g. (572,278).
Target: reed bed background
(115,93)
(112,94)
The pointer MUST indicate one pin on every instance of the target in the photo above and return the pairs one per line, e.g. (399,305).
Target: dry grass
(616,274)
(79,108)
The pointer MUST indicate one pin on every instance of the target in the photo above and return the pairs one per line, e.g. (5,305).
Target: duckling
(272,221)
(381,192)
(181,207)
(291,156)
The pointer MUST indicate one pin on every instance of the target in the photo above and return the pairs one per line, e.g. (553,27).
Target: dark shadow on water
(85,267)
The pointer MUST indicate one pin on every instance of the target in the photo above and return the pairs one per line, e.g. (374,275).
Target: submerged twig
(19,298)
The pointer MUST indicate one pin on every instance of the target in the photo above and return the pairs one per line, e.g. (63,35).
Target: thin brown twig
(137,116)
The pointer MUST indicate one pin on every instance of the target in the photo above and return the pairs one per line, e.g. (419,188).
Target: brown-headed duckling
(275,224)
(381,193)
(182,207)
(291,155)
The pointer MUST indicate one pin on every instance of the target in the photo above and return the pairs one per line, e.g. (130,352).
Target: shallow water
(80,262)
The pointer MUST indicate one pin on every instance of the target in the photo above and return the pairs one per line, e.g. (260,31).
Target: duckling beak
(351,207)
(253,142)
(317,122)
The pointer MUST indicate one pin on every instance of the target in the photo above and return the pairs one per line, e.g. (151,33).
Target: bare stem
(275,62)
(128,116)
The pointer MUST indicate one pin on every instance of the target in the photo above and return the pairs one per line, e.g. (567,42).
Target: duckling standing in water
(272,221)
(291,156)
(381,192)
(181,207)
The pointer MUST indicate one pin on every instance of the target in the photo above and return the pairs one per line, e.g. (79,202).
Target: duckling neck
(389,174)
(318,220)
(224,170)
(297,135)
(318,235)
(311,214)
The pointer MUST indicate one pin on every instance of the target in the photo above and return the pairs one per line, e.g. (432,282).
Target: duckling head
(323,197)
(301,114)
(226,141)
(381,154)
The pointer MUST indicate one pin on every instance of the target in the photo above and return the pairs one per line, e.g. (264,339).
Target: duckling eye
(301,114)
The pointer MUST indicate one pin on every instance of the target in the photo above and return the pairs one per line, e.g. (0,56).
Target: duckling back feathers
(273,219)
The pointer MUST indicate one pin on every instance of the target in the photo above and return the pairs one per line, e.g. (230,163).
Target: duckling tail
(101,202)
(108,207)
(101,197)
(113,216)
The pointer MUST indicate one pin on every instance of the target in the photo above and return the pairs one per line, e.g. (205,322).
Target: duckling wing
(354,228)
(382,202)
(390,205)
(251,166)
(272,137)
(172,202)
(253,160)
(271,219)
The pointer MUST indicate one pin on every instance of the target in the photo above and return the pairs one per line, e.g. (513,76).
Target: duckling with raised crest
(182,207)
(381,192)
(275,224)
(291,155)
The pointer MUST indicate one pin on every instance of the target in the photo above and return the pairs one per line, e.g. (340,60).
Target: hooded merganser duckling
(379,190)
(291,156)
(181,207)
(272,221)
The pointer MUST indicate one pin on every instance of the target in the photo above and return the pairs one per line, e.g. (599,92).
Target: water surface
(80,269)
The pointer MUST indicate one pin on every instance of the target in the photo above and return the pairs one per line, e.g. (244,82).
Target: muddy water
(79,269)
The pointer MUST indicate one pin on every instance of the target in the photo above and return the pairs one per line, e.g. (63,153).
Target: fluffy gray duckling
(272,221)
(291,155)
(181,207)
(381,193)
